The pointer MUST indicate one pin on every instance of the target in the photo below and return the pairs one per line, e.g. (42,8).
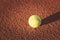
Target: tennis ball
(34,21)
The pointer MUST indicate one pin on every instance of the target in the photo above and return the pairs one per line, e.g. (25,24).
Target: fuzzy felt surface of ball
(34,21)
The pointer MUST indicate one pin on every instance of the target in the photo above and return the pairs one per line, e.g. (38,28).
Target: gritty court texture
(14,16)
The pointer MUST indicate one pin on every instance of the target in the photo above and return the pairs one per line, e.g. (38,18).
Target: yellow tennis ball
(34,21)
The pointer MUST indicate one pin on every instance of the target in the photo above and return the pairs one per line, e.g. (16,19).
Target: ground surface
(14,16)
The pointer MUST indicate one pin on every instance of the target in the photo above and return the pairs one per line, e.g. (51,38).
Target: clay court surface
(14,16)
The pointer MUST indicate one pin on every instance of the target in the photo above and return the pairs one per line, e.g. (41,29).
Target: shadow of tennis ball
(34,21)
